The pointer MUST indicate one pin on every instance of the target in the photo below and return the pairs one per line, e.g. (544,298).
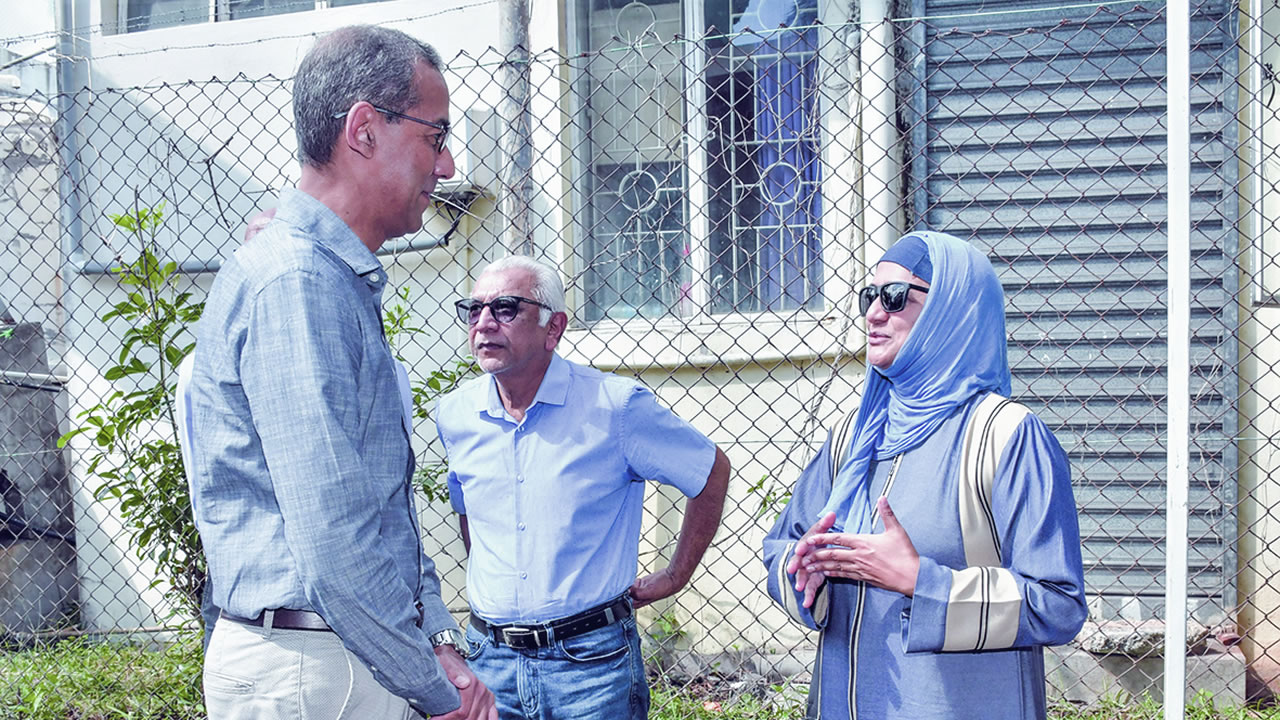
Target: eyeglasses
(893,296)
(504,309)
(443,127)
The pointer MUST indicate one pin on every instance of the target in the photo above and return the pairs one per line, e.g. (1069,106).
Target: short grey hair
(350,64)
(548,288)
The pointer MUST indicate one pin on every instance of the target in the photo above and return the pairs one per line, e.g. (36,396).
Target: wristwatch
(452,637)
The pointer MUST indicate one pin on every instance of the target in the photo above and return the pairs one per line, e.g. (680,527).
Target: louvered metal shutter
(1039,135)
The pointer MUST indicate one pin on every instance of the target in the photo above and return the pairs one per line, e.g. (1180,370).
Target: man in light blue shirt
(547,463)
(299,449)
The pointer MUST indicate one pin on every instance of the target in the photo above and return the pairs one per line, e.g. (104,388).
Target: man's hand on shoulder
(655,586)
(477,700)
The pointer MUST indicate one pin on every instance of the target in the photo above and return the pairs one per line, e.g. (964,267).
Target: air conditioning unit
(476,154)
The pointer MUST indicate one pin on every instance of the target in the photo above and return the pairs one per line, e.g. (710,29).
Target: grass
(704,703)
(1199,707)
(78,680)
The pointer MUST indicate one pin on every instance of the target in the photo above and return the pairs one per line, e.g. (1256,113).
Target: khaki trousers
(252,673)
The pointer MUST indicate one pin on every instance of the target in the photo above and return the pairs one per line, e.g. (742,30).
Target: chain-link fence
(712,192)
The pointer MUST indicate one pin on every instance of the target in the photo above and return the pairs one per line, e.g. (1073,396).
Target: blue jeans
(598,675)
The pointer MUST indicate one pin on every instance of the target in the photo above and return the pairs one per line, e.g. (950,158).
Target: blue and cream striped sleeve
(807,500)
(1035,596)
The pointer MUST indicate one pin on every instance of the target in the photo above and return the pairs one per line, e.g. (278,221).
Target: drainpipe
(196,267)
(457,201)
(517,137)
(880,185)
(72,76)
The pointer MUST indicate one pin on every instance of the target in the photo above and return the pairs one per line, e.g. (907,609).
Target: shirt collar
(553,390)
(322,225)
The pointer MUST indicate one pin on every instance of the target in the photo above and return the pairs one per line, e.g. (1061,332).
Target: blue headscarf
(955,350)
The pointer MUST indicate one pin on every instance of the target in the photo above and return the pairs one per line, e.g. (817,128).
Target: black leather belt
(284,619)
(528,637)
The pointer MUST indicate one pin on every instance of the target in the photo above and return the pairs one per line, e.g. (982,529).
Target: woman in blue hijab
(933,540)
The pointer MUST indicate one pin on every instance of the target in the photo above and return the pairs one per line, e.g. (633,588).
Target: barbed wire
(712,35)
(85,32)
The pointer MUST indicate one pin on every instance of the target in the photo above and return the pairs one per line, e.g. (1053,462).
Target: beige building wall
(1258,490)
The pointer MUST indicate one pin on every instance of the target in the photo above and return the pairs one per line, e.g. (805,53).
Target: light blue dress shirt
(301,458)
(554,502)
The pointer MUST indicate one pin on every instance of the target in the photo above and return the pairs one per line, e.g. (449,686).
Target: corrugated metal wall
(1039,135)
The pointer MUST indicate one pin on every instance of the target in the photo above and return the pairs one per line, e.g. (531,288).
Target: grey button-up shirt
(302,464)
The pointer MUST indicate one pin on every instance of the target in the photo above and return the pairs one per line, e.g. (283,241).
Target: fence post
(1178,117)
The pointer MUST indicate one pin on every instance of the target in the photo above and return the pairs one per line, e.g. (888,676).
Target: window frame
(704,337)
(217,11)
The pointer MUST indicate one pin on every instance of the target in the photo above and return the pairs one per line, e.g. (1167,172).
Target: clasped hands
(887,559)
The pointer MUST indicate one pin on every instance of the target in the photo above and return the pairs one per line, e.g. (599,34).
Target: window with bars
(699,161)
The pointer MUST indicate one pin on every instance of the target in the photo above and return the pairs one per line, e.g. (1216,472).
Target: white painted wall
(751,408)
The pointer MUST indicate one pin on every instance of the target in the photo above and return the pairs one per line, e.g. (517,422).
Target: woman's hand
(808,580)
(886,560)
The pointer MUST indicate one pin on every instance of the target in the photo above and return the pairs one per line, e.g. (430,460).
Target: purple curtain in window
(786,156)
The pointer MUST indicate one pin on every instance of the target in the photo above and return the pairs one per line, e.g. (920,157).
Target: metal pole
(1178,117)
(516,141)
(1260,293)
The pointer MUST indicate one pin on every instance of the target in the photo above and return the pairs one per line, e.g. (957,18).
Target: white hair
(548,288)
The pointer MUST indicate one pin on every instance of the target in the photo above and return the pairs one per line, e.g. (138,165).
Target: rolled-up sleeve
(660,445)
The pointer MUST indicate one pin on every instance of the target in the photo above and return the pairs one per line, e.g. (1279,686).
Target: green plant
(399,325)
(429,475)
(134,430)
(396,321)
(666,629)
(717,701)
(773,497)
(1198,707)
(80,679)
(6,333)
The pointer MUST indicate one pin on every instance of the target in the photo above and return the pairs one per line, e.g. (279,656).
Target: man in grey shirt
(300,448)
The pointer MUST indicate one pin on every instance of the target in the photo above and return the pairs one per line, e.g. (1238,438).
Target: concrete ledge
(1072,674)
(1086,679)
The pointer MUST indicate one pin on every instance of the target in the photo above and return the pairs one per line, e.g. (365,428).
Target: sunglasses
(893,296)
(504,309)
(440,138)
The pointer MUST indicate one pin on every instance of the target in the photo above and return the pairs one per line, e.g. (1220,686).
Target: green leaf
(173,355)
(62,441)
(125,221)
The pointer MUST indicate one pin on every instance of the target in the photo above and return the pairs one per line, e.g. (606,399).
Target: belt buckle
(520,637)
